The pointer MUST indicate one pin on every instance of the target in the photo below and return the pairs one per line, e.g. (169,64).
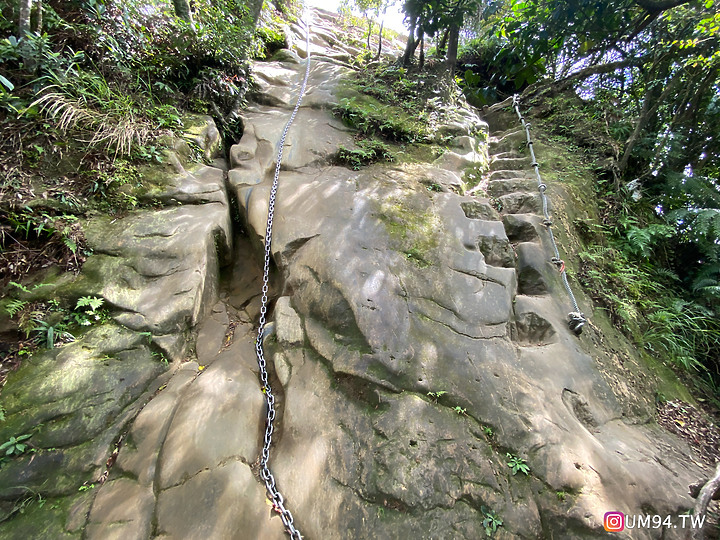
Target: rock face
(434,350)
(419,352)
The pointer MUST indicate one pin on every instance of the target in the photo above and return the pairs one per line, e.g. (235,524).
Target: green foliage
(684,332)
(643,303)
(517,464)
(641,241)
(473,175)
(488,431)
(92,303)
(15,446)
(460,410)
(395,85)
(86,102)
(492,69)
(87,311)
(371,118)
(270,39)
(436,395)
(491,522)
(561,496)
(14,306)
(51,332)
(51,231)
(368,151)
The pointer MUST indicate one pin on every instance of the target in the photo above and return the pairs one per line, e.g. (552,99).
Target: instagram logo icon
(614,521)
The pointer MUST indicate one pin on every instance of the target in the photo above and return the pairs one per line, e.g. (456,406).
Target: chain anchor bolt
(576,321)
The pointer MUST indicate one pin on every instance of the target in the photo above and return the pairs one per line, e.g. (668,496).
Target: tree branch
(597,70)
(656,6)
(706,493)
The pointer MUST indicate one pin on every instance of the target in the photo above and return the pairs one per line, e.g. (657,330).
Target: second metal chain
(576,319)
(272,491)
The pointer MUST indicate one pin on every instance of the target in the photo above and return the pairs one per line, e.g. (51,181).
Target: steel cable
(576,319)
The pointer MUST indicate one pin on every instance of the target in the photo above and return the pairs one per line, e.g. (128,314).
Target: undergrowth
(368,151)
(397,104)
(89,104)
(636,263)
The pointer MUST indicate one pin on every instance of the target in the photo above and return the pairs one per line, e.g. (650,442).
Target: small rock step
(504,175)
(534,321)
(510,164)
(520,203)
(504,186)
(535,271)
(479,209)
(522,227)
(508,141)
(510,154)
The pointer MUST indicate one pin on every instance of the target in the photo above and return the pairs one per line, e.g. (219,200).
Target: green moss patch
(413,232)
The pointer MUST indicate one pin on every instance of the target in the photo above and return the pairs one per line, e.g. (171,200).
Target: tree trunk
(442,46)
(452,48)
(370,27)
(24,17)
(422,51)
(255,9)
(38,16)
(410,45)
(182,10)
(379,51)
(599,69)
(647,111)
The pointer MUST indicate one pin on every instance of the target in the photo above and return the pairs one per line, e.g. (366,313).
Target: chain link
(273,493)
(576,319)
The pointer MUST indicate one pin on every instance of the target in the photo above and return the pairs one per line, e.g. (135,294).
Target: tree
(435,17)
(182,10)
(370,10)
(24,17)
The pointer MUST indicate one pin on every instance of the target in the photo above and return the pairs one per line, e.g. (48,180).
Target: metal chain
(576,319)
(272,491)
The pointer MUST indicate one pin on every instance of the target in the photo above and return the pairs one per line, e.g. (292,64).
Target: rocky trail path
(418,343)
(187,467)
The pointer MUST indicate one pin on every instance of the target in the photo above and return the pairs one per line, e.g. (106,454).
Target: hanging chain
(576,319)
(272,491)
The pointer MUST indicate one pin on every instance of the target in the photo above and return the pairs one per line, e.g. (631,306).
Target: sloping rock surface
(404,293)
(419,347)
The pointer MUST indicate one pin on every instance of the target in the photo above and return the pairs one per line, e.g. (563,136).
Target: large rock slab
(419,351)
(188,456)
(144,266)
(83,395)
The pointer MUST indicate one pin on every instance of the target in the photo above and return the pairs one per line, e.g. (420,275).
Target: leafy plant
(460,410)
(32,498)
(436,395)
(488,431)
(87,310)
(50,333)
(15,445)
(491,522)
(13,307)
(368,151)
(160,356)
(517,464)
